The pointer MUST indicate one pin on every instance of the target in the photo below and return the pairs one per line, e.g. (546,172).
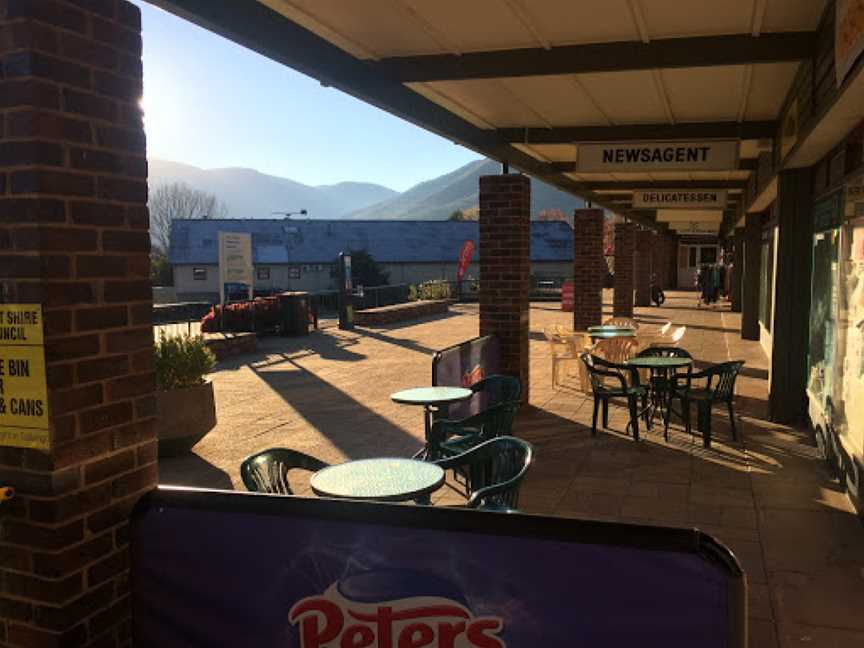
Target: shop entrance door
(690,257)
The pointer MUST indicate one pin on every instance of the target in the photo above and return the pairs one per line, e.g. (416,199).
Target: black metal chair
(599,370)
(494,470)
(500,389)
(267,471)
(719,387)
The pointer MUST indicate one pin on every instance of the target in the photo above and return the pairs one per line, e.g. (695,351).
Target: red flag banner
(465,255)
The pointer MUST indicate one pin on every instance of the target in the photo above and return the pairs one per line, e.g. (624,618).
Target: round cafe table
(383,479)
(659,366)
(608,332)
(435,401)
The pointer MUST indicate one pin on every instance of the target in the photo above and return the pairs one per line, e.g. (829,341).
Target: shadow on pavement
(191,470)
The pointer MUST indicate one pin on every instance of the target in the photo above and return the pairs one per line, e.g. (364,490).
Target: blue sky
(211,103)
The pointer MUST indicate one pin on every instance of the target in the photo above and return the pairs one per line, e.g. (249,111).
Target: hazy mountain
(250,194)
(437,199)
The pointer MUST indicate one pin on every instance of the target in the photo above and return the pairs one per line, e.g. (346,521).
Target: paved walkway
(769,497)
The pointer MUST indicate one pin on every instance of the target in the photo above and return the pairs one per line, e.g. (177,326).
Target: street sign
(24,419)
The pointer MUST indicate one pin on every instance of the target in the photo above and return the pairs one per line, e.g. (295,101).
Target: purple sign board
(227,569)
(463,365)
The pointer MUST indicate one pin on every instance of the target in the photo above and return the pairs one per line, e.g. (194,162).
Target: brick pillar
(646,242)
(589,268)
(658,260)
(505,267)
(750,276)
(622,302)
(74,233)
(737,264)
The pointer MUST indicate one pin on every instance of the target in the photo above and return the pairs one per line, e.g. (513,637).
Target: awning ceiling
(527,81)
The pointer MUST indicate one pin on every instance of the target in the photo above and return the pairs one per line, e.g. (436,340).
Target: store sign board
(848,36)
(24,419)
(680,199)
(610,157)
(235,260)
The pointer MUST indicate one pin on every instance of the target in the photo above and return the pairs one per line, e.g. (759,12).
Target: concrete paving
(768,496)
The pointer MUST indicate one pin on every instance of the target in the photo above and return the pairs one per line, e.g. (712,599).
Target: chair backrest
(665,328)
(678,334)
(499,389)
(267,471)
(617,350)
(725,373)
(492,422)
(624,322)
(495,470)
(664,352)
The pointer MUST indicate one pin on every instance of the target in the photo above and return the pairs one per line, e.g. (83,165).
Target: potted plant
(187,408)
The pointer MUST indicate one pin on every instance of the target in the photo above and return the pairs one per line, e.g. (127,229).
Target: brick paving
(769,497)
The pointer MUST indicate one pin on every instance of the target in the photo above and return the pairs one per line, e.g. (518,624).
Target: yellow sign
(24,419)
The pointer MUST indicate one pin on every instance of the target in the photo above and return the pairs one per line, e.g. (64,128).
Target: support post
(505,267)
(74,226)
(589,268)
(790,335)
(622,303)
(737,264)
(646,242)
(750,275)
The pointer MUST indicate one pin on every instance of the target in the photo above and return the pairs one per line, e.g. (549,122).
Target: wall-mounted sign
(695,227)
(23,391)
(713,155)
(235,260)
(680,199)
(848,36)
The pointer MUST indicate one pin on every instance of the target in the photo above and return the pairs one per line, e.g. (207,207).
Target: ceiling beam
(700,51)
(744,164)
(630,185)
(694,130)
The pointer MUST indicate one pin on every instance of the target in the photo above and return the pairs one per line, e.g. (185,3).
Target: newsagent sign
(680,199)
(610,157)
(23,392)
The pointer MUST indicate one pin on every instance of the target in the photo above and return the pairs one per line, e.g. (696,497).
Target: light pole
(289,214)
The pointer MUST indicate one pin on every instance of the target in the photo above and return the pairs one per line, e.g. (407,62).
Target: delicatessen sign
(23,392)
(680,199)
(713,155)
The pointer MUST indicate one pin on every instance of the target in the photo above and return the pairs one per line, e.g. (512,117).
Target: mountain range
(251,194)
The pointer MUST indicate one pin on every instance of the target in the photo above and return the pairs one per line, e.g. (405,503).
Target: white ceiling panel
(704,94)
(489,100)
(792,15)
(432,94)
(674,18)
(769,85)
(626,97)
(558,99)
(568,22)
(550,152)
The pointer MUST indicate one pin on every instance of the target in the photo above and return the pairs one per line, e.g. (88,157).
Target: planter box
(400,312)
(185,417)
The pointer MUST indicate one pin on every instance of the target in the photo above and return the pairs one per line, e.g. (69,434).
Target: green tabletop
(611,333)
(431,395)
(659,362)
(384,479)
(609,327)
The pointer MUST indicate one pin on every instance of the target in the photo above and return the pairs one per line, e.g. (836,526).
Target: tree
(161,273)
(456,215)
(366,271)
(175,201)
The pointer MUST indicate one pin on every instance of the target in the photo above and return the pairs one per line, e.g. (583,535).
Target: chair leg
(732,421)
(594,418)
(685,413)
(666,416)
(605,413)
(554,373)
(633,402)
(647,414)
(704,422)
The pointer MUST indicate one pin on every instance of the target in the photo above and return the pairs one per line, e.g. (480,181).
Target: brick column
(622,302)
(589,268)
(646,242)
(658,260)
(74,233)
(737,264)
(505,267)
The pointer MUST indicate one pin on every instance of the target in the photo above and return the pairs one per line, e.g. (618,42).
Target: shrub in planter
(187,408)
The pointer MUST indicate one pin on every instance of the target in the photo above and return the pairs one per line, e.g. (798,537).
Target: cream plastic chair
(617,350)
(677,335)
(562,350)
(624,322)
(664,330)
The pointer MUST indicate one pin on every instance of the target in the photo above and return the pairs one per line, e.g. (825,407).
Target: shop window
(263,274)
(766,280)
(199,274)
(294,273)
(692,260)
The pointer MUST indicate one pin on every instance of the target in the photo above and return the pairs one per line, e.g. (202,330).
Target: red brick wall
(646,243)
(625,235)
(74,237)
(589,268)
(505,210)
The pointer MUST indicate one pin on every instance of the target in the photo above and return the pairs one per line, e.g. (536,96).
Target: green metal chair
(494,470)
(661,380)
(601,372)
(267,471)
(719,387)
